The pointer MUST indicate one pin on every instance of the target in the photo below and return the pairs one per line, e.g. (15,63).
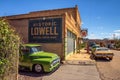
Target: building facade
(56,30)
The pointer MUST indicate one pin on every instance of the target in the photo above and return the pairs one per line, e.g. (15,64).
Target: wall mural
(45,30)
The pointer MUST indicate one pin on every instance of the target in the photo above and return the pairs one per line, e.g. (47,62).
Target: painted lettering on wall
(48,30)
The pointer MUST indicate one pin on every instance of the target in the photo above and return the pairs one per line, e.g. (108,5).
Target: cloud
(105,34)
(116,34)
(117,31)
(102,33)
(92,36)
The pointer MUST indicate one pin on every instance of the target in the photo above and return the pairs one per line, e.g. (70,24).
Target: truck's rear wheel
(37,68)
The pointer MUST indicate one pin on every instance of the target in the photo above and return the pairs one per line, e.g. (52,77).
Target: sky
(100,17)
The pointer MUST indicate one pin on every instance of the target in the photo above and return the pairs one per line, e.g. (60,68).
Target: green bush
(82,45)
(117,43)
(9,51)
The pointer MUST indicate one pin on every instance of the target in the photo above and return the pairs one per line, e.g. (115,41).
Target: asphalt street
(78,67)
(110,70)
(74,72)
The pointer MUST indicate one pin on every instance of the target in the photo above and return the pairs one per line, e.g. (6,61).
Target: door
(24,56)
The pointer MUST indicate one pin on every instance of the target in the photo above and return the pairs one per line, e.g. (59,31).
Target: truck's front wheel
(37,68)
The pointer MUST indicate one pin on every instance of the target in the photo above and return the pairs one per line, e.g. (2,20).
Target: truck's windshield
(27,50)
(35,49)
(102,49)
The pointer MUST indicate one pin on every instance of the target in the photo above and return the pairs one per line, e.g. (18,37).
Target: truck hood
(43,54)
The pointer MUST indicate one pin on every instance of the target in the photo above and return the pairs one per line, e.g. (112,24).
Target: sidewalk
(82,58)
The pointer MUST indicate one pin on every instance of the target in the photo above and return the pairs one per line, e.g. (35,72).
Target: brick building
(56,30)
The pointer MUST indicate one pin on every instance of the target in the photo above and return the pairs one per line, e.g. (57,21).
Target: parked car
(93,47)
(103,52)
(33,58)
(96,46)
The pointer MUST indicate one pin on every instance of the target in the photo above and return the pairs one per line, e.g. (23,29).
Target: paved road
(110,70)
(74,72)
(80,67)
(65,72)
(28,75)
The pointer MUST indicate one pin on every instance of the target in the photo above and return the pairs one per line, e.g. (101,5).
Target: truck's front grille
(55,61)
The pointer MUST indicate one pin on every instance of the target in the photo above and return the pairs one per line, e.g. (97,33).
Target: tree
(9,51)
(117,43)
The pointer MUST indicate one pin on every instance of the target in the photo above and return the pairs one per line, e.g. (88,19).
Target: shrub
(83,45)
(9,51)
(117,43)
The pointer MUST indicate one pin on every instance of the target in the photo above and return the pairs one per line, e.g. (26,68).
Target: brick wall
(70,20)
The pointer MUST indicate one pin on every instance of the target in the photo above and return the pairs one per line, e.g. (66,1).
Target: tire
(110,58)
(95,58)
(92,56)
(37,68)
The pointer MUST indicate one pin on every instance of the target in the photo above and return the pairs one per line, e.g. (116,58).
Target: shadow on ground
(99,59)
(33,74)
(102,60)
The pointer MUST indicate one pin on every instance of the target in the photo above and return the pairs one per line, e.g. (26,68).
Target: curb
(79,62)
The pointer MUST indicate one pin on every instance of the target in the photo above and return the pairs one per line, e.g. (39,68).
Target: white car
(103,52)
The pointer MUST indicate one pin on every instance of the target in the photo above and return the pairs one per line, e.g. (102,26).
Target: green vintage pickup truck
(33,58)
